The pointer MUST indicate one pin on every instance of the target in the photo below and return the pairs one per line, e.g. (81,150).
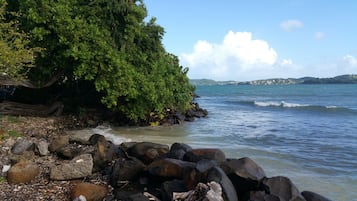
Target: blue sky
(258,39)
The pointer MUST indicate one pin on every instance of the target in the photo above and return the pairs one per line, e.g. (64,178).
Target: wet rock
(283,188)
(91,192)
(217,174)
(95,138)
(178,151)
(21,146)
(148,151)
(169,187)
(311,196)
(125,170)
(180,146)
(245,175)
(196,155)
(58,143)
(22,172)
(104,153)
(79,167)
(170,168)
(262,196)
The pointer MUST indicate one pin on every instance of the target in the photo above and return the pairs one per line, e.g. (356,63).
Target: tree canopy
(107,45)
(15,57)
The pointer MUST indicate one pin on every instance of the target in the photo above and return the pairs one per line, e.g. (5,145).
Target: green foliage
(2,179)
(15,56)
(14,133)
(109,44)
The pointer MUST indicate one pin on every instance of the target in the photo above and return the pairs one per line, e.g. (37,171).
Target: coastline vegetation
(91,54)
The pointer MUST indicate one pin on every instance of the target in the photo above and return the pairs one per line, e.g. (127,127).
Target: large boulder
(168,188)
(128,169)
(104,152)
(79,167)
(216,174)
(148,151)
(312,196)
(22,172)
(196,155)
(170,168)
(91,192)
(245,175)
(283,188)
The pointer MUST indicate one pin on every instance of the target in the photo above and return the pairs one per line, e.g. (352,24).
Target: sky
(246,40)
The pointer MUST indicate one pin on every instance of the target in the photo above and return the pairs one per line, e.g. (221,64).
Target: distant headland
(341,79)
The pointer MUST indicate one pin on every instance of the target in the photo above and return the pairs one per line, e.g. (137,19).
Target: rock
(21,146)
(245,175)
(196,155)
(283,188)
(148,151)
(22,172)
(79,136)
(178,151)
(79,167)
(58,143)
(125,170)
(170,168)
(104,153)
(217,174)
(207,192)
(262,196)
(311,196)
(25,156)
(42,147)
(91,192)
(169,187)
(138,197)
(180,146)
(95,138)
(69,151)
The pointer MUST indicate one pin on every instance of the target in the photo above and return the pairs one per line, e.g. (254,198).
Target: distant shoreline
(341,79)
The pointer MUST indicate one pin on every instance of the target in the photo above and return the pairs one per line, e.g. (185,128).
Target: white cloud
(286,62)
(319,35)
(238,57)
(350,60)
(290,25)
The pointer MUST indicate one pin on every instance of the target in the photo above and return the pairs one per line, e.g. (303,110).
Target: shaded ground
(41,188)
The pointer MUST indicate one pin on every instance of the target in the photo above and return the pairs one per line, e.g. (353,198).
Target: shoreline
(42,187)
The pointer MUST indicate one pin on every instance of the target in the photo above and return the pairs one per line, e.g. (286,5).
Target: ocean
(305,132)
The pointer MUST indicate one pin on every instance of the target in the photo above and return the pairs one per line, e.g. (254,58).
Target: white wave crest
(278,104)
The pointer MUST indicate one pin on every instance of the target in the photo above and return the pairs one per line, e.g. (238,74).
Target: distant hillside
(342,79)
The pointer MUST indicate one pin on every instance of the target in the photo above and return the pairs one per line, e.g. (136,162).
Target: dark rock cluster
(142,171)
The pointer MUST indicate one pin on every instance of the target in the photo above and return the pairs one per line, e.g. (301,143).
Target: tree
(108,46)
(15,56)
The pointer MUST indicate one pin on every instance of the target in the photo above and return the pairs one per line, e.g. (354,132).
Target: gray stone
(283,188)
(42,147)
(81,136)
(79,167)
(21,146)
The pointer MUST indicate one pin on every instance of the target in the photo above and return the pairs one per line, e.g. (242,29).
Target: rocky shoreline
(51,161)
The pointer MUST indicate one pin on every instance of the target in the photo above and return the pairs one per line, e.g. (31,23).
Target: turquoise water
(305,132)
